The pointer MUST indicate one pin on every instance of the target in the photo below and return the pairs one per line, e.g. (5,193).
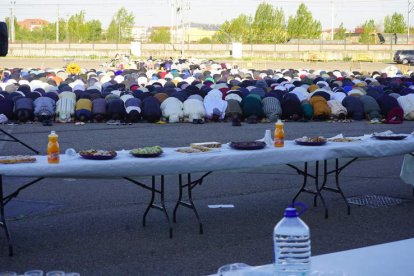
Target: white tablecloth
(389,259)
(172,162)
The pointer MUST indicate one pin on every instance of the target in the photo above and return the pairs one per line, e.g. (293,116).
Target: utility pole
(332,20)
(57,25)
(10,23)
(409,10)
(172,24)
(12,30)
(180,14)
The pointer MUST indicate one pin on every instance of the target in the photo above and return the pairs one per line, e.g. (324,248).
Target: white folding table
(127,167)
(394,258)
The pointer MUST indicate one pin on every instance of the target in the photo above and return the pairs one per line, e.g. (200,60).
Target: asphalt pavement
(95,227)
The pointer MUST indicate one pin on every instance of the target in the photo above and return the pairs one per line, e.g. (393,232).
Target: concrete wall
(280,51)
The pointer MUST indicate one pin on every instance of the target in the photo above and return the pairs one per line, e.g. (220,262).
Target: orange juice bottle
(53,148)
(279,135)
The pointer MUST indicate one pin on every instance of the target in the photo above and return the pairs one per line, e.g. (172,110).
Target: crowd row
(213,93)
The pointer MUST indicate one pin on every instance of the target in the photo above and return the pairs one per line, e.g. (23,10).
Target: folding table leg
(3,223)
(338,187)
(191,184)
(318,190)
(156,206)
(180,197)
(190,199)
(305,181)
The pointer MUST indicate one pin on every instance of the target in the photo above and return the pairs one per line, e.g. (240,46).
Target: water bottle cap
(291,212)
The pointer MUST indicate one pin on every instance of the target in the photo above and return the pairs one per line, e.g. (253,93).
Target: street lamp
(410,9)
(12,30)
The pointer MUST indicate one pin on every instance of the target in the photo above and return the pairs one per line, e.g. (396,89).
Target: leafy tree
(93,30)
(368,34)
(205,40)
(302,25)
(76,27)
(235,30)
(48,32)
(395,24)
(62,29)
(268,25)
(160,35)
(120,28)
(340,33)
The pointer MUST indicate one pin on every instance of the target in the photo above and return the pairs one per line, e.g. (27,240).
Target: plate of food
(249,145)
(311,141)
(193,150)
(392,136)
(147,152)
(94,154)
(210,145)
(15,159)
(343,140)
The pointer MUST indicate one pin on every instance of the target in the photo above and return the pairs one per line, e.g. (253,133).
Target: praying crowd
(193,91)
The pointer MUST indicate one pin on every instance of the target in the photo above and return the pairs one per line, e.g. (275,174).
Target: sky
(158,12)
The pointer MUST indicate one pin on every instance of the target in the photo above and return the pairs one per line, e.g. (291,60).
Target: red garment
(162,74)
(395,116)
(224,91)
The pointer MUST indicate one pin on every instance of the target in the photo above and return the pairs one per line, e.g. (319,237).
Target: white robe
(172,108)
(65,106)
(194,109)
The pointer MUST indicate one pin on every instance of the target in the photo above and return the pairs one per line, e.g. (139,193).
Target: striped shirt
(272,108)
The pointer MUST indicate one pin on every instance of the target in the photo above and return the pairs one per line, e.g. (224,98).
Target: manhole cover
(375,201)
(20,209)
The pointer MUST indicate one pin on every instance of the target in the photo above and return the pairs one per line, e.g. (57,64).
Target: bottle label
(53,157)
(279,142)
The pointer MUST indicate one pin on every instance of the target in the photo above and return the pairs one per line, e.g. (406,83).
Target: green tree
(62,29)
(48,32)
(76,28)
(340,33)
(395,24)
(93,30)
(368,33)
(302,25)
(205,40)
(235,30)
(268,25)
(160,35)
(120,28)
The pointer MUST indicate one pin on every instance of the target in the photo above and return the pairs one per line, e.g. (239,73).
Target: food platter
(93,154)
(14,159)
(147,155)
(311,141)
(390,137)
(210,145)
(343,140)
(250,145)
(192,150)
(147,152)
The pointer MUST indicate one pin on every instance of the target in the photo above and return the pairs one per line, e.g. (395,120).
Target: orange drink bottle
(53,148)
(279,135)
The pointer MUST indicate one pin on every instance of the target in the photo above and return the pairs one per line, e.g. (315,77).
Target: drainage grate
(375,201)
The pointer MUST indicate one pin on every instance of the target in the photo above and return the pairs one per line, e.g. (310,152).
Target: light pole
(332,21)
(67,28)
(12,30)
(57,25)
(409,10)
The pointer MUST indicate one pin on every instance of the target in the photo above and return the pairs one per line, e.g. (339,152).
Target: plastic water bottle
(292,246)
